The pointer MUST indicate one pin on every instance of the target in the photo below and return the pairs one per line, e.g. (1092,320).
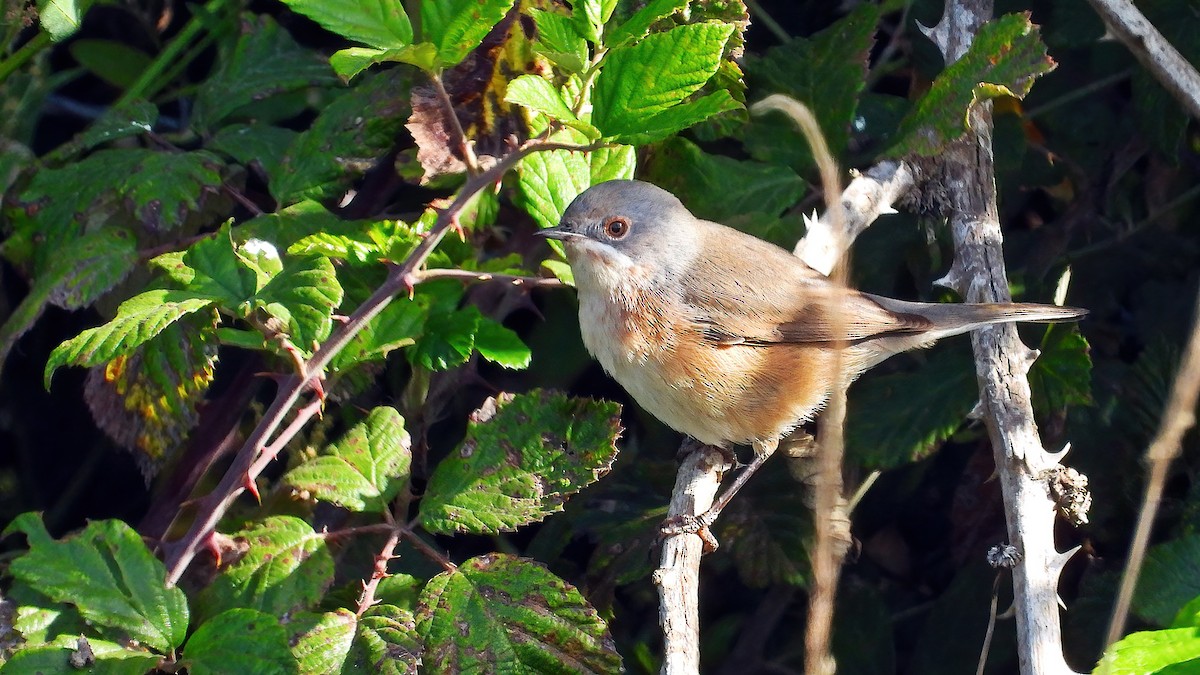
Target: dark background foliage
(1097,170)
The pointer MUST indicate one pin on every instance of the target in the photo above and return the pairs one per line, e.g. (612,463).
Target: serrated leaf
(77,276)
(899,418)
(138,319)
(61,18)
(347,138)
(106,658)
(522,457)
(680,117)
(286,566)
(539,95)
(40,619)
(522,618)
(559,41)
(376,23)
(768,532)
(289,225)
(156,190)
(348,63)
(639,24)
(211,269)
(321,642)
(1153,652)
(110,576)
(133,119)
(639,84)
(458,26)
(398,325)
(718,188)
(501,346)
(364,470)
(264,62)
(1189,616)
(239,641)
(148,402)
(1004,59)
(1170,578)
(303,296)
(257,143)
(1062,375)
(547,183)
(612,162)
(387,643)
(448,339)
(826,72)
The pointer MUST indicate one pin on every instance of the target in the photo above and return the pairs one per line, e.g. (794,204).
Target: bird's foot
(687,524)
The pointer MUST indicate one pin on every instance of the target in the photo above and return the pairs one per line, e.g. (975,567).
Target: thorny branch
(400,278)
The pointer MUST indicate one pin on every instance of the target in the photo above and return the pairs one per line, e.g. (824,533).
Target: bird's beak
(559,233)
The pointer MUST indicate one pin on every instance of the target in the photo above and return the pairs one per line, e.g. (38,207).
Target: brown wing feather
(748,291)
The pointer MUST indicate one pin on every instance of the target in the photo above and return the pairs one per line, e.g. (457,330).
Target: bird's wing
(754,293)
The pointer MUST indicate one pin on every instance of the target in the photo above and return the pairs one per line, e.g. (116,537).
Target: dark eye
(616,227)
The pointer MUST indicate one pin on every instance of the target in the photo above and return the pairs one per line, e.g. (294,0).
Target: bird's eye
(616,227)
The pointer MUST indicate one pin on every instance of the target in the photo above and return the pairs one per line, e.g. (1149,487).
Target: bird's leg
(698,525)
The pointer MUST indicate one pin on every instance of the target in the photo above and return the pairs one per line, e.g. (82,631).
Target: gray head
(628,222)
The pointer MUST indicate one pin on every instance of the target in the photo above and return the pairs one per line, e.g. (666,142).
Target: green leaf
(239,641)
(157,190)
(522,618)
(501,346)
(523,456)
(40,619)
(539,95)
(110,576)
(559,41)
(364,470)
(1062,375)
(387,643)
(138,319)
(826,72)
(612,162)
(107,658)
(133,119)
(114,62)
(376,23)
(257,143)
(1170,578)
(348,63)
(1004,59)
(211,269)
(588,17)
(349,136)
(321,642)
(1153,652)
(448,339)
(264,62)
(768,532)
(901,417)
(639,84)
(458,26)
(303,296)
(547,183)
(77,276)
(148,402)
(1189,616)
(289,225)
(61,18)
(639,24)
(286,566)
(718,188)
(398,325)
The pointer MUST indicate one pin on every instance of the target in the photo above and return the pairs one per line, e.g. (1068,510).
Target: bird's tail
(951,318)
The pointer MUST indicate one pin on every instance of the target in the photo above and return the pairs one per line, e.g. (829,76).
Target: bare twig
(1002,362)
(472,275)
(379,572)
(1178,417)
(400,278)
(460,137)
(678,573)
(1152,50)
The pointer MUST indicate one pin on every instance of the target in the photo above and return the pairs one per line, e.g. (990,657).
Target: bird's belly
(715,394)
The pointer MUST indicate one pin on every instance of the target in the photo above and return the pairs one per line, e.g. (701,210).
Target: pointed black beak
(559,233)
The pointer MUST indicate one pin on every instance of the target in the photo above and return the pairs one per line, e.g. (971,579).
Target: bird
(725,337)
